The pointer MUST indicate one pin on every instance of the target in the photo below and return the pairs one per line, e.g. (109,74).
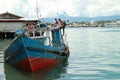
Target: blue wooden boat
(37,48)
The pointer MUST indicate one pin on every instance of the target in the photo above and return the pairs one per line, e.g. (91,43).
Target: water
(94,55)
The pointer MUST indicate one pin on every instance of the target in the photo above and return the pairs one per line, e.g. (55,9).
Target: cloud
(53,8)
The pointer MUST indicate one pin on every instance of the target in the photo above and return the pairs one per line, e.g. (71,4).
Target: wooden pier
(6,35)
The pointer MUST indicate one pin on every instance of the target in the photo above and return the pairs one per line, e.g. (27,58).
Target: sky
(54,8)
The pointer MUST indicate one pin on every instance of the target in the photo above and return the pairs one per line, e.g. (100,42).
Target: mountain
(80,19)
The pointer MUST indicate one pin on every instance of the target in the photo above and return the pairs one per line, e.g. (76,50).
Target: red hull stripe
(33,64)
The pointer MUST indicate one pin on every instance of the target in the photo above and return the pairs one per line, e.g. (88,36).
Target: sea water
(94,55)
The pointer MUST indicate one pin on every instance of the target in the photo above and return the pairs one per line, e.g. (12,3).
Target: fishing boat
(37,48)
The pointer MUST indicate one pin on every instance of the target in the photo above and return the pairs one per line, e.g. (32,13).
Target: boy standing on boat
(56,23)
(63,24)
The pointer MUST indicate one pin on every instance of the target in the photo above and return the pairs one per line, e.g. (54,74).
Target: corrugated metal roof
(10,14)
(19,20)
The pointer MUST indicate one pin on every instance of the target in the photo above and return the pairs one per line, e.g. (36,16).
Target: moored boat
(37,48)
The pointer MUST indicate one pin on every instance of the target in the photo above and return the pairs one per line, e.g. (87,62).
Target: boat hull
(32,55)
(33,64)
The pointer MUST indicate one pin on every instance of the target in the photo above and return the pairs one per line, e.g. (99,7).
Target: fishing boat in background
(38,47)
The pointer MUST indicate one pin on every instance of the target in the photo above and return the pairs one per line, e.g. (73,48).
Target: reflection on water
(8,72)
(3,44)
(49,73)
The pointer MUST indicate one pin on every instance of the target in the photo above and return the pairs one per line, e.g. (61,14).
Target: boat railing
(40,32)
(44,29)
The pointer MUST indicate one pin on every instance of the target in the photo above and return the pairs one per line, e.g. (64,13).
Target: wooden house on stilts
(10,22)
